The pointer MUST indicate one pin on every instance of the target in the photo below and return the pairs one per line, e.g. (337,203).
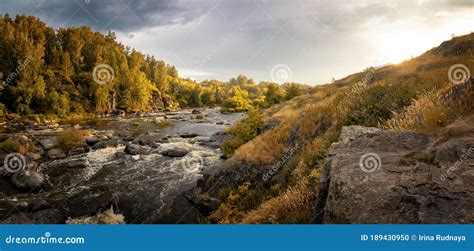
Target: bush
(244,131)
(162,123)
(69,139)
(10,146)
(235,202)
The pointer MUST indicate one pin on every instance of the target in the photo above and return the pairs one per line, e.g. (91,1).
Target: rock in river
(188,135)
(27,179)
(133,149)
(56,153)
(48,143)
(174,152)
(78,163)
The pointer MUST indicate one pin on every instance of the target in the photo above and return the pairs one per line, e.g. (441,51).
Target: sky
(305,41)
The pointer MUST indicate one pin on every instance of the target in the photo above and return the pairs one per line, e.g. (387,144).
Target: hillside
(279,175)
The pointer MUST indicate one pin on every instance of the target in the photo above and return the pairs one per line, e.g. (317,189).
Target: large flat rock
(377,176)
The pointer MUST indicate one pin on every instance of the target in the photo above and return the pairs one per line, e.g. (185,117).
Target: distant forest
(51,71)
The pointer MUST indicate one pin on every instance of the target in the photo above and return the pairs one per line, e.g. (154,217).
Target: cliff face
(378,176)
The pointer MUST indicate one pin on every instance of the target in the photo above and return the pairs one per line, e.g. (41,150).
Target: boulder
(56,153)
(377,176)
(203,202)
(188,135)
(196,111)
(92,140)
(147,139)
(28,180)
(79,150)
(174,152)
(38,205)
(100,145)
(114,142)
(33,156)
(109,135)
(133,149)
(48,143)
(216,140)
(77,163)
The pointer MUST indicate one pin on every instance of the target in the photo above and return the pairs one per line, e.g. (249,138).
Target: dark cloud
(119,15)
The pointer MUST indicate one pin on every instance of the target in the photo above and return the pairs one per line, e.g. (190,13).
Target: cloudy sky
(307,41)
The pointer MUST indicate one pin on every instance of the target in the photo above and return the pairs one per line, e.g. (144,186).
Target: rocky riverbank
(136,166)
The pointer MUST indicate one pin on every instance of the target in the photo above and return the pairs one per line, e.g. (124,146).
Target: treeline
(54,71)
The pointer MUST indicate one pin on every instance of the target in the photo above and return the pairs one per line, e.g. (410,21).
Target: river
(144,188)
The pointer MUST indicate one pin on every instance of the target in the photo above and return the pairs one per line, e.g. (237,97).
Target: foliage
(431,111)
(244,131)
(10,146)
(50,71)
(236,201)
(70,139)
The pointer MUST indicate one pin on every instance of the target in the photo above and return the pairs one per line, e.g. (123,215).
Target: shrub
(69,139)
(10,146)
(235,202)
(162,123)
(244,131)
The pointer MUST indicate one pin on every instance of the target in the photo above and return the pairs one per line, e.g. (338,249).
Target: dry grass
(430,112)
(106,217)
(265,149)
(295,205)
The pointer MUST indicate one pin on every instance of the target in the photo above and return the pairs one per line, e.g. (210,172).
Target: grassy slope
(403,96)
